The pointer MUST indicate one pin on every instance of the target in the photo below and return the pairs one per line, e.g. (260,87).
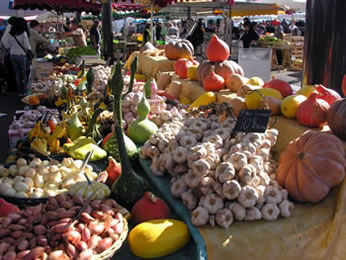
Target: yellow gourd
(184,100)
(253,100)
(205,99)
(158,238)
(192,72)
(140,77)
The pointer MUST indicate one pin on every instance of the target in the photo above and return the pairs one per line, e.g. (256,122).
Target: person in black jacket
(197,37)
(250,36)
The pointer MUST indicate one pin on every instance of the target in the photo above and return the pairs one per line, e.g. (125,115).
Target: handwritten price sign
(253,121)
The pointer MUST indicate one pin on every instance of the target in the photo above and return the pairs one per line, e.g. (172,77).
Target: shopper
(11,76)
(76,33)
(147,34)
(3,68)
(197,36)
(35,38)
(95,37)
(20,54)
(158,31)
(172,31)
(250,36)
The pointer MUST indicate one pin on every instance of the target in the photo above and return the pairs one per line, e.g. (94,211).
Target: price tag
(252,121)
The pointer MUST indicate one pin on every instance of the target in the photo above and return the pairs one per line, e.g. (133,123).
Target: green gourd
(74,127)
(129,187)
(142,128)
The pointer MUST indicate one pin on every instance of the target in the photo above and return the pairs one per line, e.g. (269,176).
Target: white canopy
(292,4)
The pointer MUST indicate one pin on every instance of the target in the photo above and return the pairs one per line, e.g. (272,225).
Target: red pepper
(7,208)
(113,170)
(52,125)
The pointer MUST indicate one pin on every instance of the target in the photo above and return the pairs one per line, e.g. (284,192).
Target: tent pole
(152,23)
(107,31)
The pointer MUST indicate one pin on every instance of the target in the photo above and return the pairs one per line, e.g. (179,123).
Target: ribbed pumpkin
(336,118)
(343,85)
(224,69)
(181,66)
(213,82)
(217,50)
(179,49)
(311,165)
(95,190)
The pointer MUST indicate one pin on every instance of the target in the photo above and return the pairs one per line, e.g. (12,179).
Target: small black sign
(252,121)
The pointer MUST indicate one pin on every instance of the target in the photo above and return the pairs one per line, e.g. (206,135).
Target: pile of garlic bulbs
(220,177)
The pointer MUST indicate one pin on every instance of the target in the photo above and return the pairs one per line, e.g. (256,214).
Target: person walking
(95,37)
(20,54)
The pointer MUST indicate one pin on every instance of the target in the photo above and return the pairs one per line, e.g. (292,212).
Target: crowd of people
(18,47)
(19,40)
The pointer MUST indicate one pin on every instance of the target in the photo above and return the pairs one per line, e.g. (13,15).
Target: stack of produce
(101,76)
(57,231)
(76,52)
(219,176)
(160,112)
(28,119)
(42,179)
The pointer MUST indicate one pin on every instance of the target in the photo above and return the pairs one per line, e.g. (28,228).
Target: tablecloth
(314,231)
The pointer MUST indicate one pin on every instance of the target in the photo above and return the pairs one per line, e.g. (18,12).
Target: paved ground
(9,104)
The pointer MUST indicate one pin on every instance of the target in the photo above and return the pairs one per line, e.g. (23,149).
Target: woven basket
(107,254)
(22,202)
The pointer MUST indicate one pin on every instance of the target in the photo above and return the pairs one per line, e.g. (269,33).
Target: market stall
(167,157)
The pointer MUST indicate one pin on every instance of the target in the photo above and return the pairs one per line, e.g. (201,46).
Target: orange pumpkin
(224,69)
(213,82)
(311,165)
(179,49)
(343,85)
(217,50)
(181,66)
(336,116)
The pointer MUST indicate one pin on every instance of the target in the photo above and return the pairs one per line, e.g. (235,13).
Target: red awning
(58,5)
(127,7)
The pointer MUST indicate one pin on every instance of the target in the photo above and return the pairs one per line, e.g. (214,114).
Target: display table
(150,65)
(314,231)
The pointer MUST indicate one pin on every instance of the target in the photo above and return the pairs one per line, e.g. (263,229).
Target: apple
(282,86)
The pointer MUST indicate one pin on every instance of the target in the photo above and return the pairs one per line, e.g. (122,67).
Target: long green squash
(129,187)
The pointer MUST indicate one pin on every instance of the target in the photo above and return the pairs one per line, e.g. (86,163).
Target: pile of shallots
(50,231)
(221,177)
